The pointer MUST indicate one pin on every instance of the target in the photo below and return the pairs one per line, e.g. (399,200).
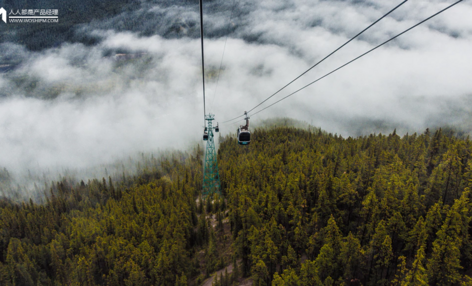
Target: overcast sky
(76,106)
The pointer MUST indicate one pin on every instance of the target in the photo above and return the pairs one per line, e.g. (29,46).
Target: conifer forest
(297,207)
(235,143)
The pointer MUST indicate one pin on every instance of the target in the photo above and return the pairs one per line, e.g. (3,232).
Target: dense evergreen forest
(298,207)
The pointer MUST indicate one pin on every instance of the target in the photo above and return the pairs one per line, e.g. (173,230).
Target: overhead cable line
(222,56)
(355,59)
(329,55)
(203,58)
(322,60)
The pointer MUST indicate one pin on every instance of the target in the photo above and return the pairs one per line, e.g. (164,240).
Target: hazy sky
(77,106)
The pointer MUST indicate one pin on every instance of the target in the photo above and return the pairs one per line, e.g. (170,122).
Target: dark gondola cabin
(205,135)
(244,136)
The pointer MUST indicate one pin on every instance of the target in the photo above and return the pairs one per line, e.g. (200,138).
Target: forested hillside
(300,207)
(310,208)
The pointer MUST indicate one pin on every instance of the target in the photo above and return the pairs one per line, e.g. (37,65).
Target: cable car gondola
(217,128)
(244,136)
(205,134)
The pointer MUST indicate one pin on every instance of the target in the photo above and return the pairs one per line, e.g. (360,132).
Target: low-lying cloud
(139,88)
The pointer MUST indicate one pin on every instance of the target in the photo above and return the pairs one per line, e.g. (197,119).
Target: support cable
(222,56)
(329,55)
(203,59)
(322,60)
(355,59)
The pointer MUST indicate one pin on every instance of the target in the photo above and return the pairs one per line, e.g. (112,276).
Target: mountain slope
(301,207)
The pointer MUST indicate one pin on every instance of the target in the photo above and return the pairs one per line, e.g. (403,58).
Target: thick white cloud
(77,106)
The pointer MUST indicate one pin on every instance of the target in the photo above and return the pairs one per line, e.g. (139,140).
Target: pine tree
(309,274)
(222,281)
(226,281)
(401,272)
(216,282)
(433,220)
(411,205)
(20,267)
(397,230)
(328,281)
(466,281)
(260,273)
(444,265)
(332,235)
(370,213)
(381,252)
(211,255)
(181,281)
(291,259)
(417,276)
(235,274)
(278,281)
(288,278)
(418,236)
(351,257)
(326,262)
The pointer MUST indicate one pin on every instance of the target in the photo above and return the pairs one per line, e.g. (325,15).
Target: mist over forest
(363,178)
(116,79)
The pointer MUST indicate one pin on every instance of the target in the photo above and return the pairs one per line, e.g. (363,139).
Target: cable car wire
(222,56)
(203,59)
(322,60)
(329,55)
(355,59)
